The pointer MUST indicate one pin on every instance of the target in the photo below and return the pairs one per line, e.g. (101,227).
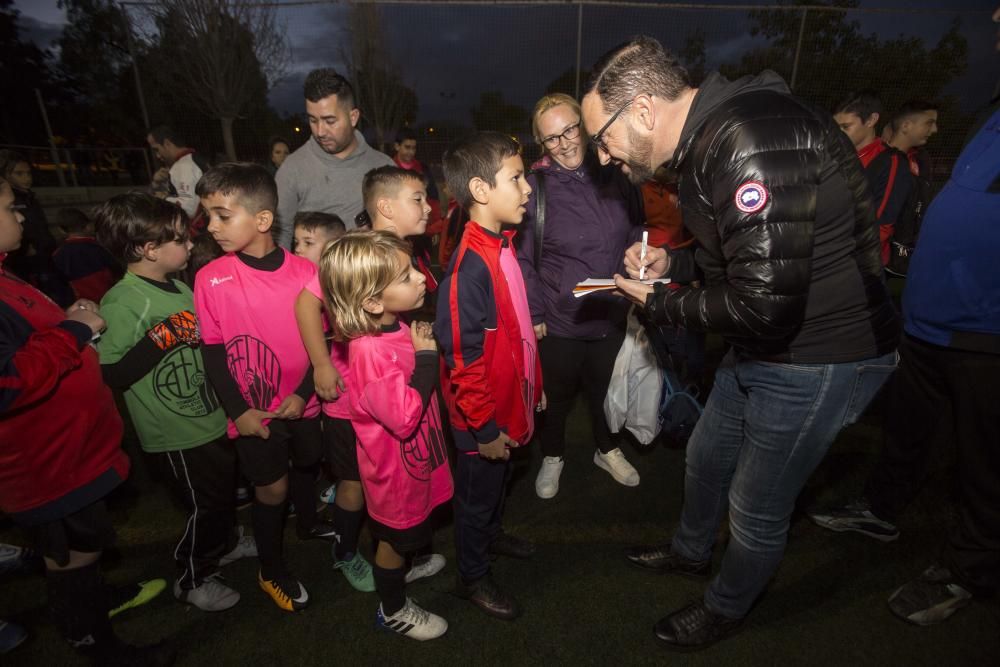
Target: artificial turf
(582,603)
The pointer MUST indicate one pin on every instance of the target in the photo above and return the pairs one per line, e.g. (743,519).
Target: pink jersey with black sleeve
(402,457)
(252,312)
(339,408)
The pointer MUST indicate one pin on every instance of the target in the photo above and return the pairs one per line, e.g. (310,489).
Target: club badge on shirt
(751,197)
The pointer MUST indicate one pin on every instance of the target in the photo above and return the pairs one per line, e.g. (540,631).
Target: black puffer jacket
(775,195)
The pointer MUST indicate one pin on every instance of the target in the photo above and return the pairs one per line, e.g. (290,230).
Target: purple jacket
(592,214)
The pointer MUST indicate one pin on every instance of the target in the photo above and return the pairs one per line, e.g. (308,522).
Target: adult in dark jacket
(591,215)
(775,196)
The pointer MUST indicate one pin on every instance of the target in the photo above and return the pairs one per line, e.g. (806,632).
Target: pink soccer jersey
(529,344)
(252,312)
(338,408)
(402,456)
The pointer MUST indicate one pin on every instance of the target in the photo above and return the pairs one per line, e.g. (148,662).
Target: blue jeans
(765,428)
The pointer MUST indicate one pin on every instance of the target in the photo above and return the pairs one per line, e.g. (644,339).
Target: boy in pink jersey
(255,359)
(368,280)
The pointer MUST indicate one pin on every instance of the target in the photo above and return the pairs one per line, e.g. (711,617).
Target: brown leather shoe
(488,596)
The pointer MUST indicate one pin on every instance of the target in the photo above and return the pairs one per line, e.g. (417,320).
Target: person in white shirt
(186,166)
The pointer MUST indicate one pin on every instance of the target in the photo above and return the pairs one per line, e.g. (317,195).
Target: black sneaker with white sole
(855,517)
(930,598)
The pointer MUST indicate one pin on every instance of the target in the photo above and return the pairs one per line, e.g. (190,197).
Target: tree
(494,113)
(23,67)
(221,55)
(384,100)
(836,58)
(101,91)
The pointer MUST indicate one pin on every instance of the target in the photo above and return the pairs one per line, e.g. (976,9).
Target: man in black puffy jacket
(775,195)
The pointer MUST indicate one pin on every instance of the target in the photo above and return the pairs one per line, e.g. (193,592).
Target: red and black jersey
(891,183)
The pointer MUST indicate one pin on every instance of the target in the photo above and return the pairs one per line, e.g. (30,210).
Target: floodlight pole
(579,45)
(135,65)
(798,48)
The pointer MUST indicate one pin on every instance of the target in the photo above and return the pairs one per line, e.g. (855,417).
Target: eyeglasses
(597,141)
(570,133)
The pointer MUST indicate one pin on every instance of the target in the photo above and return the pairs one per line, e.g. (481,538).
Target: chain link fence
(483,64)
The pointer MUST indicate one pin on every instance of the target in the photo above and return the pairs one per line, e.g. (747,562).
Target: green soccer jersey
(173,406)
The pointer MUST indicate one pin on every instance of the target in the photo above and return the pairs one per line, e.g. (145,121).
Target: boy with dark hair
(257,363)
(61,453)
(324,174)
(912,126)
(313,231)
(396,201)
(88,267)
(858,115)
(493,381)
(150,352)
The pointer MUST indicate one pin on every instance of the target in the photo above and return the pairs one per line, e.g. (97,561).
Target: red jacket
(60,434)
(890,184)
(477,328)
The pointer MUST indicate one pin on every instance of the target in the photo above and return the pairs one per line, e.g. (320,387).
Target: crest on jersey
(751,197)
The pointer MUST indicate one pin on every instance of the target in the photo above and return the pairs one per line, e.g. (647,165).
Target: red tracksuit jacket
(60,434)
(477,329)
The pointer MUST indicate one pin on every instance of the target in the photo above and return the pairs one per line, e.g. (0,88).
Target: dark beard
(638,159)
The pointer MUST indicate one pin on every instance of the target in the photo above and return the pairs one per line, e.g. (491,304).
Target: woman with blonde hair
(580,219)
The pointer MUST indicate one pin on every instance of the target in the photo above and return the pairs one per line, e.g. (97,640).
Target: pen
(642,256)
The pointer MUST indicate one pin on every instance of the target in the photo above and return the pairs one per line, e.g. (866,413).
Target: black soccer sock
(302,492)
(268,530)
(391,587)
(79,603)
(348,526)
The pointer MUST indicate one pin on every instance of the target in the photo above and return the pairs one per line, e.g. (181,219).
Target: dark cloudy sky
(451,53)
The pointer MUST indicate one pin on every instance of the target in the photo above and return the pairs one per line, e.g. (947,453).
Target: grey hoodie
(311,179)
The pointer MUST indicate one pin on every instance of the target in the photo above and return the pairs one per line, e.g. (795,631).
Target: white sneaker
(619,468)
(212,595)
(413,622)
(425,566)
(547,482)
(246,547)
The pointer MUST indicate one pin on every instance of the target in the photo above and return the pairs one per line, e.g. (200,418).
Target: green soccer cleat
(358,573)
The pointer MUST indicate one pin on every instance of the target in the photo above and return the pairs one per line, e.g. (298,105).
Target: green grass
(583,605)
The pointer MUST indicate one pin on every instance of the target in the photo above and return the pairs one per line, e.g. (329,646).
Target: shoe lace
(414,614)
(693,618)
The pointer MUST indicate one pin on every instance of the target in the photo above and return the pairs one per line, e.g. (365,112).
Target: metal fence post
(579,45)
(798,48)
(56,162)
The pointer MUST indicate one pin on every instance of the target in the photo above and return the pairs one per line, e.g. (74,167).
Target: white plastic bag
(634,394)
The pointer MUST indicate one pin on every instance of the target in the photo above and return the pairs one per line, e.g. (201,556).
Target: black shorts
(87,531)
(340,444)
(264,462)
(403,540)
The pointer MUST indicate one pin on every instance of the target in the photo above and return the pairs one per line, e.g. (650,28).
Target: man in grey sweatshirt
(326,173)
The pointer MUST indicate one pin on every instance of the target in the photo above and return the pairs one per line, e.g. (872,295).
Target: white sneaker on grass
(615,463)
(246,547)
(425,566)
(212,595)
(413,622)
(547,482)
